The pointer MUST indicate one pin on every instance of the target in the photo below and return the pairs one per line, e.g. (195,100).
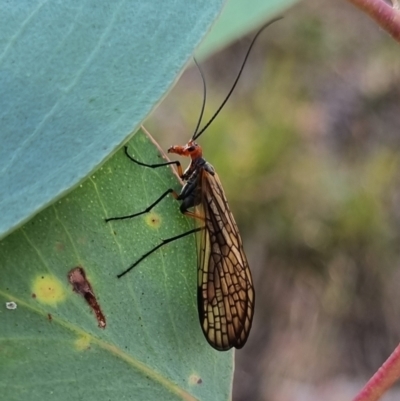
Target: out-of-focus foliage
(308,150)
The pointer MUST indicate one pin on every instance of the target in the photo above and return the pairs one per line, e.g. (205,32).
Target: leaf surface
(76,78)
(152,347)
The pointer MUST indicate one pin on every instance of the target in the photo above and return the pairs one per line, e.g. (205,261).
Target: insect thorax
(191,192)
(193,170)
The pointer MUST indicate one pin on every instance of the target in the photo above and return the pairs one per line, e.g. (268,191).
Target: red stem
(386,16)
(383,379)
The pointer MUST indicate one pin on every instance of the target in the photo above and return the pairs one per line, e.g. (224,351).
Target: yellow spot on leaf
(82,343)
(48,289)
(153,220)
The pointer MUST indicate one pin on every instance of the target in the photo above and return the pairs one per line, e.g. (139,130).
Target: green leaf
(152,347)
(76,78)
(238,18)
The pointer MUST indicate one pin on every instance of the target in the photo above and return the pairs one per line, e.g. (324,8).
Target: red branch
(386,16)
(383,379)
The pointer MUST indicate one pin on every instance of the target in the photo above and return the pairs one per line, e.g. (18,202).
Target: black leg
(147,208)
(176,162)
(164,242)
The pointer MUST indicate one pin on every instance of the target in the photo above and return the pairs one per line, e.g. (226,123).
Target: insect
(225,292)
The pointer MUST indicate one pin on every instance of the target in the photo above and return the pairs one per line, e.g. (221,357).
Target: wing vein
(225,287)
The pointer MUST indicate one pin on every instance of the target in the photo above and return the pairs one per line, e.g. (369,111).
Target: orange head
(191,149)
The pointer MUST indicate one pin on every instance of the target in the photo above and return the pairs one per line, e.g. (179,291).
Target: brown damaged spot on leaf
(59,246)
(80,284)
(49,317)
(195,379)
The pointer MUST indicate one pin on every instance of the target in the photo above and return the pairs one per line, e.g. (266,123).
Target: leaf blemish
(59,246)
(81,285)
(82,343)
(195,379)
(153,220)
(48,290)
(11,305)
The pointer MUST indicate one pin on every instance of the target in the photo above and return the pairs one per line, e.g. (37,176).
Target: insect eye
(191,148)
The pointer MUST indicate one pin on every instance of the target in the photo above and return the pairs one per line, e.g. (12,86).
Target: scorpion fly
(225,292)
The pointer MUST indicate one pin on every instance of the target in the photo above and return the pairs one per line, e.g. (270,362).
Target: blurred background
(308,151)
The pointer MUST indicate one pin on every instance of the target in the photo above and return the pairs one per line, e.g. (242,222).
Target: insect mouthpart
(191,149)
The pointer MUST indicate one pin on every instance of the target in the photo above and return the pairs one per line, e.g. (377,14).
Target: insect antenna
(204,98)
(196,135)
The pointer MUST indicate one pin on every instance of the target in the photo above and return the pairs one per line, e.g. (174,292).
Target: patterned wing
(225,286)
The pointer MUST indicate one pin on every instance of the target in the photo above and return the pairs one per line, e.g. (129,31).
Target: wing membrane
(225,286)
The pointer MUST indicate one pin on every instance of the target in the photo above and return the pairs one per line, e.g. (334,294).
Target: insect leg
(169,191)
(176,162)
(148,208)
(164,242)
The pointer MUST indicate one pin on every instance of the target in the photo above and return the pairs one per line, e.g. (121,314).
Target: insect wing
(225,287)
